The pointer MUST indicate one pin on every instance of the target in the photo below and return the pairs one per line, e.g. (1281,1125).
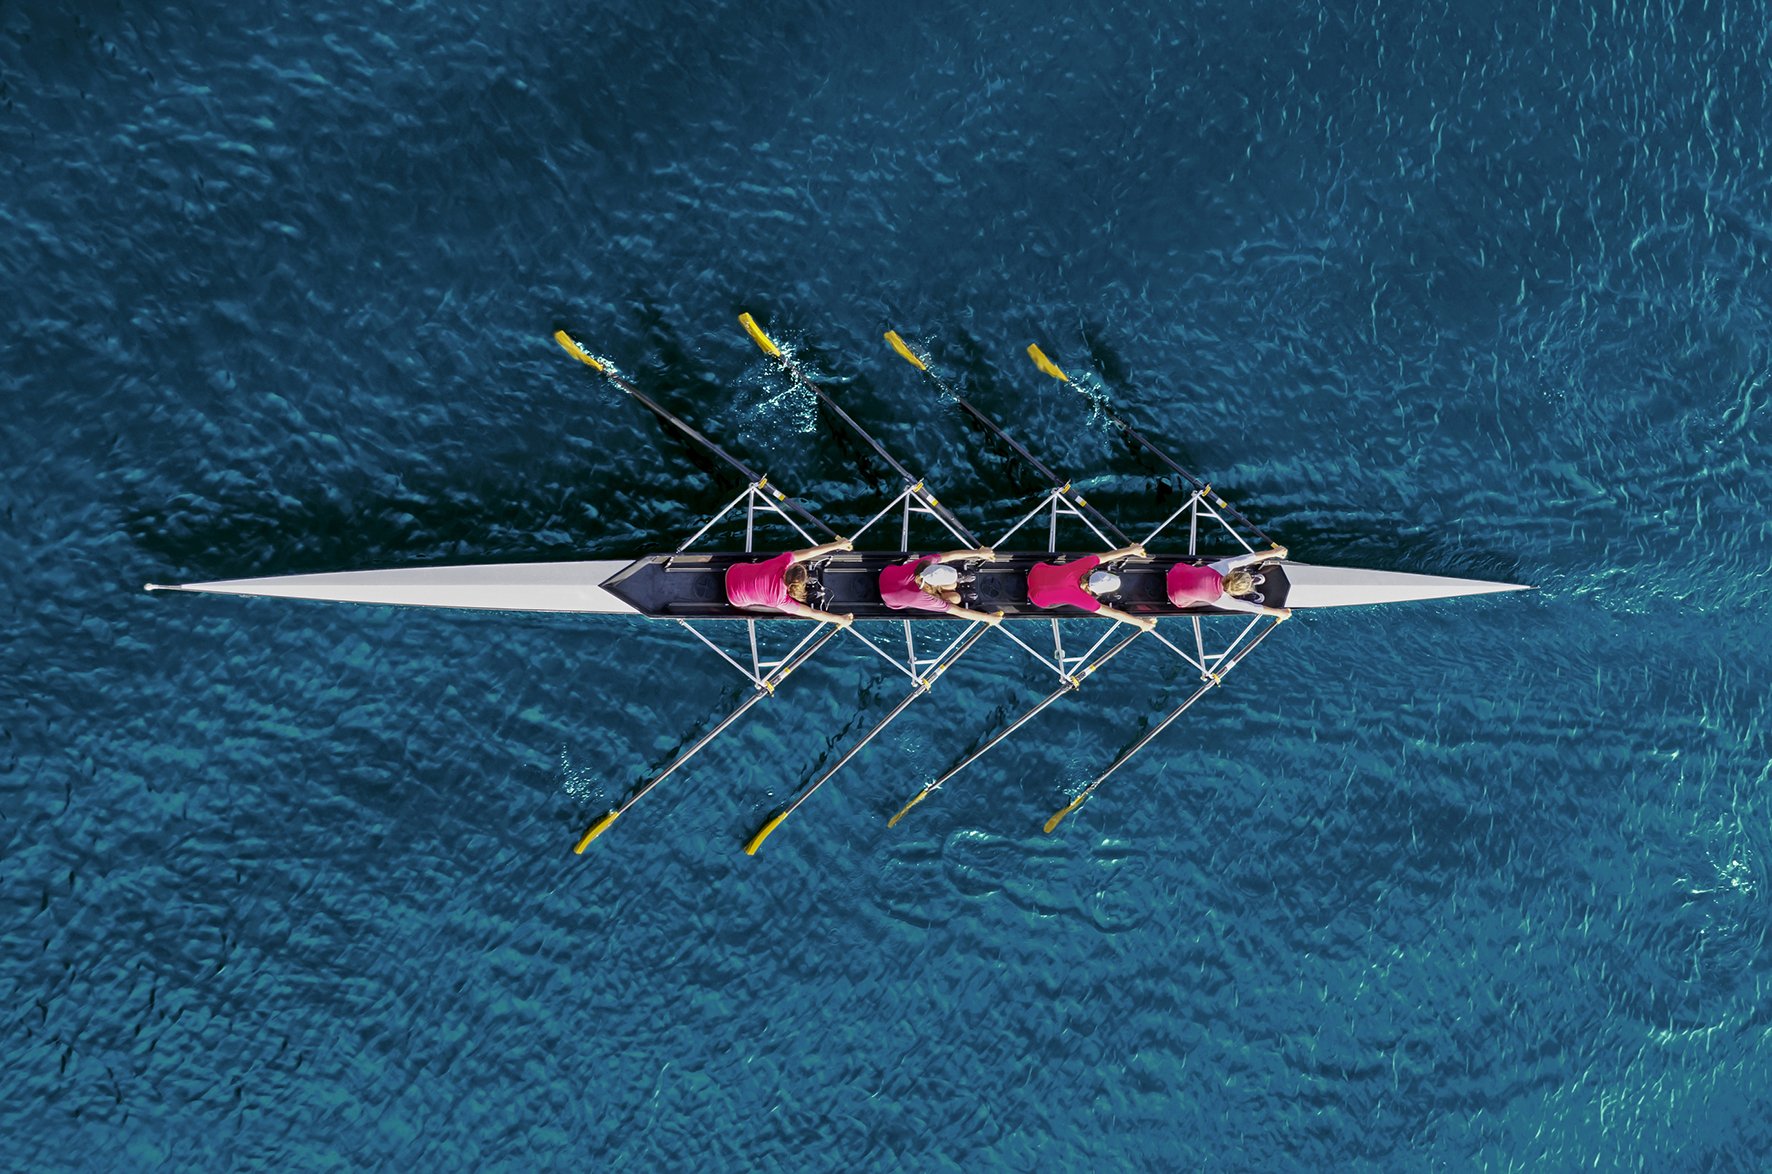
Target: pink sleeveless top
(899,590)
(1052,585)
(1190,584)
(761,584)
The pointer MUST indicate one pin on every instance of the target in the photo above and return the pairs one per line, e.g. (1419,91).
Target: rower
(1220,584)
(779,584)
(1079,583)
(930,583)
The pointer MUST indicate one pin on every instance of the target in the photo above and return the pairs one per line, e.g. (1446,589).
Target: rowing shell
(692,586)
(686,587)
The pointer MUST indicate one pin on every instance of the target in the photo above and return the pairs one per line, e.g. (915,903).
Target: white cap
(939,575)
(1103,582)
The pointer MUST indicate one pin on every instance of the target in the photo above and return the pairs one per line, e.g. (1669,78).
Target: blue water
(1482,291)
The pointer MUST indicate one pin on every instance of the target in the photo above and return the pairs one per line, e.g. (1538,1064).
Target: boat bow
(1314,586)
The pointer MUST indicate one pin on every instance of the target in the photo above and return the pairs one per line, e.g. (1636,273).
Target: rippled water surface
(1479,291)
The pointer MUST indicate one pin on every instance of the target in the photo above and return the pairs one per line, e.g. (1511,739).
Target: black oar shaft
(1062,485)
(913,482)
(910,479)
(618,381)
(1138,440)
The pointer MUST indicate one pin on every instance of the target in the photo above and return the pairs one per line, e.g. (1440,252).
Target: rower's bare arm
(993,618)
(1225,566)
(803,612)
(955,556)
(1126,617)
(819,551)
(1136,550)
(1232,603)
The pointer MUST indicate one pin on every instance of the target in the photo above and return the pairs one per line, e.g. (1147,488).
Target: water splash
(1095,393)
(577,783)
(774,402)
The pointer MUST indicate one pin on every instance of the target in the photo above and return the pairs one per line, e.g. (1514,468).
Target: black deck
(693,586)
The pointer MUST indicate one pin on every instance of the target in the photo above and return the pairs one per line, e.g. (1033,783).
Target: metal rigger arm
(1064,500)
(915,498)
(764,675)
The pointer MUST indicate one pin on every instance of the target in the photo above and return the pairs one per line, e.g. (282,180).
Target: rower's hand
(845,620)
(995,619)
(1139,550)
(1282,615)
(1279,552)
(1147,623)
(986,554)
(845,544)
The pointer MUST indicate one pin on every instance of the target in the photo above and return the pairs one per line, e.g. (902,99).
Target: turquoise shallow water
(1471,291)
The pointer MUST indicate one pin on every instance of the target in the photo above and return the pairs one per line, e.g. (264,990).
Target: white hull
(576,587)
(1352,587)
(555,587)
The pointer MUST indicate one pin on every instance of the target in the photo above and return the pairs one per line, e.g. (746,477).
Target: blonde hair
(795,578)
(1239,583)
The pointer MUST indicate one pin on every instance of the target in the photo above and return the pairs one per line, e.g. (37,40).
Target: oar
(607,371)
(924,684)
(765,689)
(1071,685)
(1062,485)
(1212,681)
(1138,440)
(913,483)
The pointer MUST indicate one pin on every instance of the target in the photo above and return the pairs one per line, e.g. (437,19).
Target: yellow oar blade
(904,352)
(757,336)
(916,799)
(597,829)
(756,841)
(579,353)
(1059,818)
(1045,364)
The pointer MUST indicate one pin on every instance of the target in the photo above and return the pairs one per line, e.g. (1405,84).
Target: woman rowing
(779,584)
(1080,582)
(930,583)
(1223,583)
